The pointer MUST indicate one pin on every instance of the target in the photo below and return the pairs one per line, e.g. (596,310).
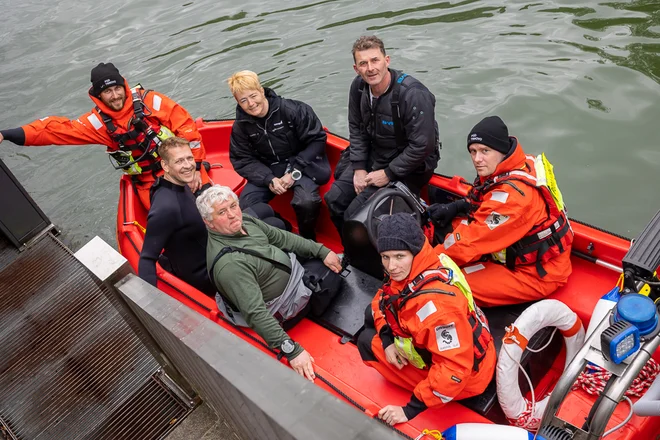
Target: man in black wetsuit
(174,225)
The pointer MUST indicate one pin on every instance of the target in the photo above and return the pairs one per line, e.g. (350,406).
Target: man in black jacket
(392,131)
(277,144)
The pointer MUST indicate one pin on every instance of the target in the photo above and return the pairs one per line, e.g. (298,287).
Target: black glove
(442,214)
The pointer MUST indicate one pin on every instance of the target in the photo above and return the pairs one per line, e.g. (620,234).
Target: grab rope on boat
(433,433)
(594,379)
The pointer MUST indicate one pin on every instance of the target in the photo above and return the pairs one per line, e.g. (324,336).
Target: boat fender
(480,431)
(547,313)
(603,307)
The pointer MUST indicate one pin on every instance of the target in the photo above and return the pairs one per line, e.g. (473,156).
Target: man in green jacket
(252,272)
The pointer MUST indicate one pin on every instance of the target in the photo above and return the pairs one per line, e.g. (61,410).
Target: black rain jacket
(371,129)
(291,132)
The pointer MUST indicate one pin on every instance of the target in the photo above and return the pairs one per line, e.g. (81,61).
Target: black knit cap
(103,76)
(491,131)
(400,232)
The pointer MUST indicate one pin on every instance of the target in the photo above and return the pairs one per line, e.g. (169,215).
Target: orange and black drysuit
(515,244)
(454,341)
(117,131)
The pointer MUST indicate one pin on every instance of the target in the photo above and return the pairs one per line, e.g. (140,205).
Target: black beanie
(104,76)
(400,232)
(491,131)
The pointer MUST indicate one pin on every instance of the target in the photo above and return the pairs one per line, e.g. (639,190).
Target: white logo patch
(447,337)
(494,220)
(499,196)
(426,311)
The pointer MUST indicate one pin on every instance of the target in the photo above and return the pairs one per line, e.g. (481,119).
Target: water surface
(578,80)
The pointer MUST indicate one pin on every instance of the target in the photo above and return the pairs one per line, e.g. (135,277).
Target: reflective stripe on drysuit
(505,215)
(443,321)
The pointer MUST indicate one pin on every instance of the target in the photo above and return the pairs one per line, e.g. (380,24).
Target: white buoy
(481,431)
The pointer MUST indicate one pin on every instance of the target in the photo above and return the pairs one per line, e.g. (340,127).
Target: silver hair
(213,195)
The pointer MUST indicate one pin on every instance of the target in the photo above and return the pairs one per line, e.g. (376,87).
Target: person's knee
(331,196)
(364,341)
(306,206)
(337,200)
(260,210)
(252,195)
(369,317)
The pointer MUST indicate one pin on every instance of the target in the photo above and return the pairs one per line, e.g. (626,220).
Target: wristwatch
(296,174)
(287,346)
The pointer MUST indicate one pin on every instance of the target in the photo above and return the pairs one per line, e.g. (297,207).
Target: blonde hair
(242,81)
(168,144)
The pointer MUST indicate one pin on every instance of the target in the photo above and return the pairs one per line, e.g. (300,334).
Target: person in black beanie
(511,226)
(126,121)
(422,337)
(103,76)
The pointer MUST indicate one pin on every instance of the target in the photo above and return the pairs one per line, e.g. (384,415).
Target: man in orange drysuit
(130,122)
(422,330)
(514,244)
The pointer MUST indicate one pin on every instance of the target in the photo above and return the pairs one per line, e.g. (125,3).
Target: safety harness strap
(540,243)
(399,132)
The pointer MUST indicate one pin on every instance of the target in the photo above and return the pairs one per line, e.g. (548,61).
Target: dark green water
(578,80)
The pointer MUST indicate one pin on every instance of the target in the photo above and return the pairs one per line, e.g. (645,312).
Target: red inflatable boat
(597,261)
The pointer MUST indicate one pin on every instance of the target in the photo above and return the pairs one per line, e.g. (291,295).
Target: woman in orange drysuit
(446,351)
(115,111)
(514,245)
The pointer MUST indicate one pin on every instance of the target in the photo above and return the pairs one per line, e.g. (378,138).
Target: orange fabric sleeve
(445,333)
(58,130)
(178,120)
(515,217)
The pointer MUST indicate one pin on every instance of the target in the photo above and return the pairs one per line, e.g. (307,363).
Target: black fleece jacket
(371,128)
(290,132)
